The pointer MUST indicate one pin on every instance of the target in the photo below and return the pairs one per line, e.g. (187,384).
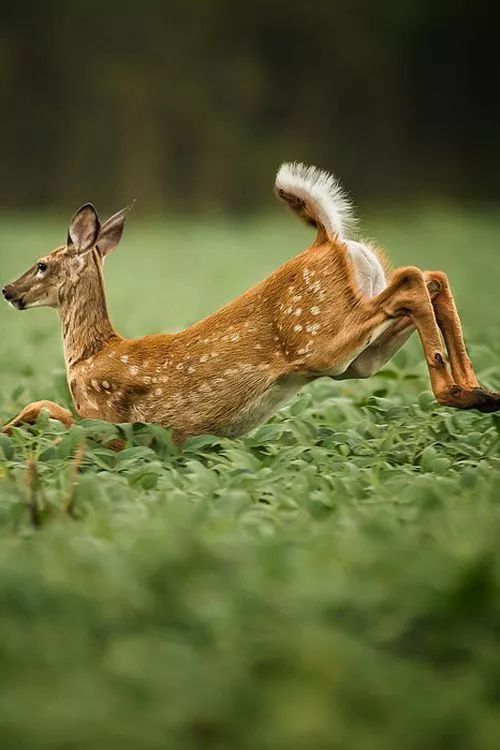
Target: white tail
(317,197)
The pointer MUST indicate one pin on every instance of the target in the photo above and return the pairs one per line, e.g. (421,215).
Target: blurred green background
(191,105)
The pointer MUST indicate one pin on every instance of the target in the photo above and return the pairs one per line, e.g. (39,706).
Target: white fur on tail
(316,196)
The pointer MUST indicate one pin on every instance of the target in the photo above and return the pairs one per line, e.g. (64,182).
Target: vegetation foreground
(329,581)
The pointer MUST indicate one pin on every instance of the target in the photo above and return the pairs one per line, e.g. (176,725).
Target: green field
(330,581)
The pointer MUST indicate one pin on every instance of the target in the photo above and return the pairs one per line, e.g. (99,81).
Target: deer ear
(112,230)
(83,229)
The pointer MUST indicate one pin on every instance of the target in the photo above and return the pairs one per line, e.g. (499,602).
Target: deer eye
(42,267)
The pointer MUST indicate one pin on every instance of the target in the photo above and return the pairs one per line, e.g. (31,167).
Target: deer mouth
(17,302)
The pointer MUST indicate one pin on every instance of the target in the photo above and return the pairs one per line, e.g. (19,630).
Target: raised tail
(317,197)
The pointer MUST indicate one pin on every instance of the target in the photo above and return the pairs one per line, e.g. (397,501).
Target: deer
(335,310)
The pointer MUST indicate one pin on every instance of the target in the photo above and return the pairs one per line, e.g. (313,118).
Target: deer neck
(86,327)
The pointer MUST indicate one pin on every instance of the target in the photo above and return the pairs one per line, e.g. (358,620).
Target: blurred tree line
(191,105)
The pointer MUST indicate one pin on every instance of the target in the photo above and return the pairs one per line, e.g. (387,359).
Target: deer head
(88,242)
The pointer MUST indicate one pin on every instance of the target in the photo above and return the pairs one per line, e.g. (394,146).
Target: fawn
(334,310)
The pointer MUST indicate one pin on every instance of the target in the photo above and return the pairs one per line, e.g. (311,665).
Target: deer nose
(7,293)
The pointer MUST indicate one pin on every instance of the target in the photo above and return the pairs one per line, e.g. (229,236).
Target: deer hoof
(473,398)
(488,401)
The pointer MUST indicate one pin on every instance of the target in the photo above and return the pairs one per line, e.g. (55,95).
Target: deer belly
(259,409)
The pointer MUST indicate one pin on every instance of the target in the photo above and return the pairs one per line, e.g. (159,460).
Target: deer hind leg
(408,295)
(375,356)
(449,322)
(30,414)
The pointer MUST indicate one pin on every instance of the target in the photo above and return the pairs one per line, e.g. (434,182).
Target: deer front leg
(30,413)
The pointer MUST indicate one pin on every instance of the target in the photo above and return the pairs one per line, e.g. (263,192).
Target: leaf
(49,454)
(194,444)
(103,457)
(426,400)
(99,430)
(267,433)
(131,456)
(428,457)
(6,447)
(70,442)
(300,405)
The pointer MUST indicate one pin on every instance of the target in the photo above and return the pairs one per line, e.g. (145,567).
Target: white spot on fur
(298,312)
(315,310)
(297,328)
(204,358)
(134,370)
(124,358)
(191,369)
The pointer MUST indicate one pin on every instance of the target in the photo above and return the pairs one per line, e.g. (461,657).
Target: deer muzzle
(14,299)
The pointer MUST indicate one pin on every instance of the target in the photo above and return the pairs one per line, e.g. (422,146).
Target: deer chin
(35,303)
(17,304)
